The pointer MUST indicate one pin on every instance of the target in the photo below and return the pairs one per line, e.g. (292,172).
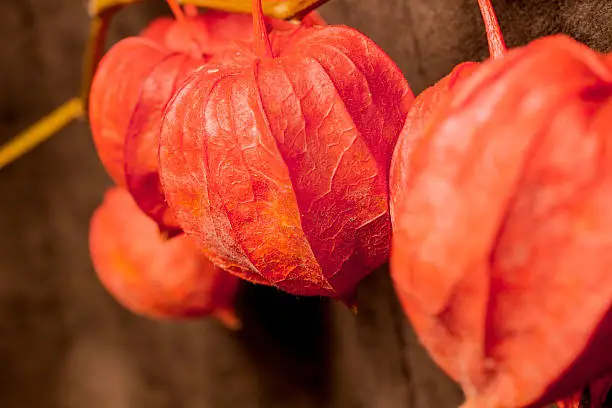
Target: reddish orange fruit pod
(279,168)
(502,239)
(155,276)
(134,82)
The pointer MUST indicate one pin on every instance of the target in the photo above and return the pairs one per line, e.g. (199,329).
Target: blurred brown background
(65,343)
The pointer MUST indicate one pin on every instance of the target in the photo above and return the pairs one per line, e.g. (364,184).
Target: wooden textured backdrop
(65,343)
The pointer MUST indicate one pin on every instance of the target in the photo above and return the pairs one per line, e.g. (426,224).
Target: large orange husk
(502,237)
(278,168)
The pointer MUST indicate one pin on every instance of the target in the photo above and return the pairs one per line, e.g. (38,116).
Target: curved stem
(497,45)
(98,27)
(40,131)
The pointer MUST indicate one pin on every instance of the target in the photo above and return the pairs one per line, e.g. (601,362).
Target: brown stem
(495,37)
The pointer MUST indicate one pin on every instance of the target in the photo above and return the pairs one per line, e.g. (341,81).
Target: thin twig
(40,131)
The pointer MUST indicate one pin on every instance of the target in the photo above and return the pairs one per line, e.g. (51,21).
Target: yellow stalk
(40,131)
(286,9)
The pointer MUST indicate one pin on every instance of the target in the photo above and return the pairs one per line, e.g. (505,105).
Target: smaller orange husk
(152,275)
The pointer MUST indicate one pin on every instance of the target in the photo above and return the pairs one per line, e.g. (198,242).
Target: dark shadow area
(288,339)
(608,401)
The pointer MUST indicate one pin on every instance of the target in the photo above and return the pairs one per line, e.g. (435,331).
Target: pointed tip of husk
(228,319)
(350,301)
(166,233)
